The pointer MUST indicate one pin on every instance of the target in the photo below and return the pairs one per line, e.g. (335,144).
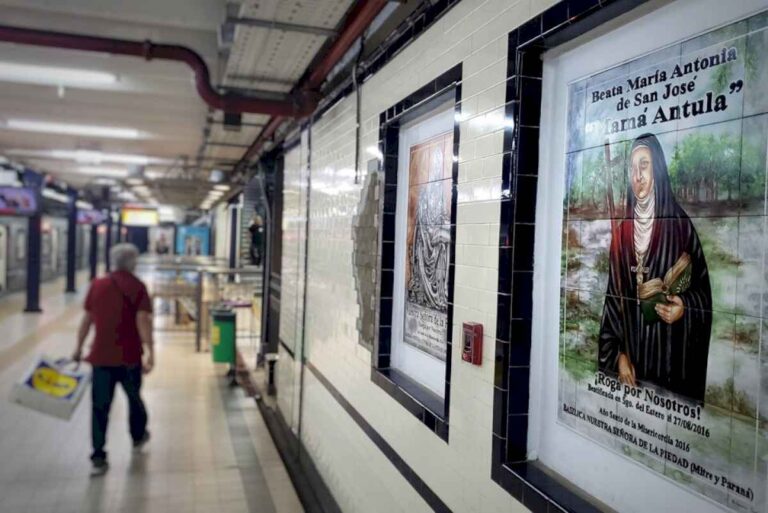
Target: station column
(71,240)
(108,240)
(35,182)
(94,256)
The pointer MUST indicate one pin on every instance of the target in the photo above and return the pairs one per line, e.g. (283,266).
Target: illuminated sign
(140,216)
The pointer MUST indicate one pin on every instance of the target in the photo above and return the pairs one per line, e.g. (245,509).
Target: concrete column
(94,250)
(34,181)
(108,243)
(234,227)
(71,240)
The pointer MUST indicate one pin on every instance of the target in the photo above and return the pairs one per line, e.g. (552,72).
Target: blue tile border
(432,412)
(528,481)
(287,349)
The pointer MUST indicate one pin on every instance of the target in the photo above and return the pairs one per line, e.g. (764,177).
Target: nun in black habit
(670,348)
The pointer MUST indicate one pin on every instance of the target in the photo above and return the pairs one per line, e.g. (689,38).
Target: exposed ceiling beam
(260,78)
(285,27)
(242,123)
(360,16)
(226,144)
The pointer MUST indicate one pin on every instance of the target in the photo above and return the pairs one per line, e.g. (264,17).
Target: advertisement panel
(161,240)
(17,201)
(89,216)
(192,240)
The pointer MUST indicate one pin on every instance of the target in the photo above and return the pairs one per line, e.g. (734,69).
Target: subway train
(13,248)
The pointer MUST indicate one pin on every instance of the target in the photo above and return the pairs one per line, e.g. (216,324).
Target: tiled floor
(210,450)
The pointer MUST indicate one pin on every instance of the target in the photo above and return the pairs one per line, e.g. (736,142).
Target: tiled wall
(473,33)
(292,279)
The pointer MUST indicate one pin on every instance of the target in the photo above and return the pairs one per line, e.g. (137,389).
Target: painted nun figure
(657,315)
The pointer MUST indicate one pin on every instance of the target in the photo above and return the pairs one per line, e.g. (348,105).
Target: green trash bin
(223,336)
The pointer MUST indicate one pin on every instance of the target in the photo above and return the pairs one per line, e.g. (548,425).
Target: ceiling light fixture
(107,172)
(221,187)
(55,195)
(89,156)
(49,127)
(53,75)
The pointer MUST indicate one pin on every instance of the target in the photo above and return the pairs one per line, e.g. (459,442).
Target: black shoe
(100,467)
(141,442)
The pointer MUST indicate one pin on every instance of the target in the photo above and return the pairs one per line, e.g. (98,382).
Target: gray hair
(124,256)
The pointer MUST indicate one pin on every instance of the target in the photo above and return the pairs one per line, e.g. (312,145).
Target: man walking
(119,308)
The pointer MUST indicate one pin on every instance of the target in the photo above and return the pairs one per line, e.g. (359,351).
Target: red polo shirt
(113,302)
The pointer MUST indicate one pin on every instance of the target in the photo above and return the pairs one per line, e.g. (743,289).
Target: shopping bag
(53,387)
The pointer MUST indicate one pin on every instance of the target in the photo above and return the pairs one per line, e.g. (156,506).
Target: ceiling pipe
(301,104)
(359,18)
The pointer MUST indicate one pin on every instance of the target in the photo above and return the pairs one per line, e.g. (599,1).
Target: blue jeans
(102,392)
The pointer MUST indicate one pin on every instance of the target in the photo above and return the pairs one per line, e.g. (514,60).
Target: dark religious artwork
(663,350)
(655,257)
(428,239)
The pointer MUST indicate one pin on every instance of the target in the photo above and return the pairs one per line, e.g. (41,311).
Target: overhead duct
(301,104)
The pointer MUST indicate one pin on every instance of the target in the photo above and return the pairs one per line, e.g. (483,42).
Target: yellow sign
(138,216)
(215,335)
(51,382)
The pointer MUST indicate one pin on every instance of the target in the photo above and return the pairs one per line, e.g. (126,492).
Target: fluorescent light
(52,75)
(374,151)
(105,181)
(153,174)
(134,181)
(55,195)
(112,132)
(84,205)
(113,172)
(97,157)
(90,157)
(221,187)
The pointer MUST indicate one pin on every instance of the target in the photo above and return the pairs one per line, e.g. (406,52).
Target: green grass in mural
(577,367)
(726,396)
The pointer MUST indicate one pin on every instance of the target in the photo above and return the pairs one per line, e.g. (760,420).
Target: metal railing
(239,290)
(185,290)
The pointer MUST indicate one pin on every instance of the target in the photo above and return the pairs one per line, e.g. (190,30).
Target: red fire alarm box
(472,349)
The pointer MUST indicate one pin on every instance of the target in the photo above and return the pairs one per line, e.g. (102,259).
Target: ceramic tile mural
(663,271)
(428,240)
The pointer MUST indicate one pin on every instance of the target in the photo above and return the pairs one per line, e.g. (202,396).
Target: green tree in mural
(705,168)
(588,194)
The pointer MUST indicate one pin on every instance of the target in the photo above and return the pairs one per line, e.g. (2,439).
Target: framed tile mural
(428,239)
(419,141)
(662,340)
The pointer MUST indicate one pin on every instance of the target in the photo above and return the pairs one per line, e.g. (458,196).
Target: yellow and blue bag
(53,387)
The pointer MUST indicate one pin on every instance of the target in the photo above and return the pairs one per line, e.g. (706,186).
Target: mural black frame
(431,410)
(527,480)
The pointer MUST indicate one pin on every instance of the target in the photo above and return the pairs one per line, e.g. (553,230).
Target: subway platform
(210,449)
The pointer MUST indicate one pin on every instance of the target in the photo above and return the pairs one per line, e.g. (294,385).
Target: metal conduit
(300,105)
